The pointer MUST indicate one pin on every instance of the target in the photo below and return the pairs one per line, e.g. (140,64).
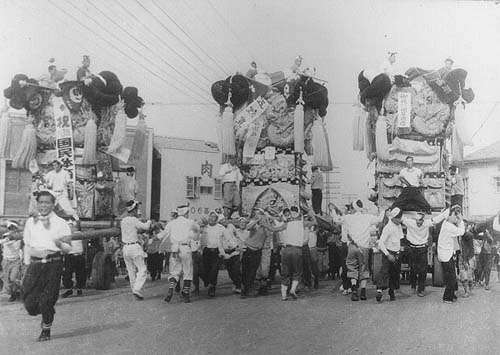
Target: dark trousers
(334,259)
(155,265)
(484,267)
(74,264)
(309,267)
(346,282)
(233,267)
(198,270)
(211,265)
(250,262)
(412,199)
(41,289)
(418,267)
(317,200)
(389,272)
(457,200)
(450,279)
(275,264)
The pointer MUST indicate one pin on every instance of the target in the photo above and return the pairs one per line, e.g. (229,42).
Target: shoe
(185,297)
(447,301)
(44,335)
(79,292)
(392,297)
(67,294)
(487,288)
(170,294)
(362,296)
(316,283)
(138,296)
(379,296)
(284,299)
(421,294)
(236,290)
(345,292)
(354,296)
(349,291)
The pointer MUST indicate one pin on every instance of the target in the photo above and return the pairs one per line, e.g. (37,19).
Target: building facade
(481,172)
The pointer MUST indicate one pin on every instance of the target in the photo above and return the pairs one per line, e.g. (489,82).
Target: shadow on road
(94,329)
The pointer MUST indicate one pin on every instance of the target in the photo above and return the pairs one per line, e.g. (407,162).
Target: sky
(173,50)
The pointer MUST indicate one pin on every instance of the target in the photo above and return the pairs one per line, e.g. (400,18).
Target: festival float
(274,124)
(83,124)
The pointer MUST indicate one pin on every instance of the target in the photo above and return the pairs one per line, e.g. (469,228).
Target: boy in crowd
(11,261)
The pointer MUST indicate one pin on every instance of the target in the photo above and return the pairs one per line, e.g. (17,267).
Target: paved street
(320,322)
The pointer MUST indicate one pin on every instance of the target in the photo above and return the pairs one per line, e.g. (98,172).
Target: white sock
(295,283)
(284,288)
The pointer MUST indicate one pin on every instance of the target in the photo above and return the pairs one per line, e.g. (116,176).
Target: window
(192,187)
(207,190)
(218,189)
(497,184)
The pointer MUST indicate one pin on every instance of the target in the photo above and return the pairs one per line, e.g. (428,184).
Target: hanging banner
(404,112)
(64,140)
(252,139)
(250,113)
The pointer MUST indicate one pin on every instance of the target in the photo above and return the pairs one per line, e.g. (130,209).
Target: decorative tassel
(457,147)
(370,123)
(464,133)
(228,146)
(27,147)
(358,129)
(298,125)
(4,131)
(90,140)
(321,149)
(120,130)
(218,128)
(139,139)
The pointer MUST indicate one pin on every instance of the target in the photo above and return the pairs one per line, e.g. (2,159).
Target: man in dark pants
(250,260)
(231,255)
(452,228)
(44,240)
(213,236)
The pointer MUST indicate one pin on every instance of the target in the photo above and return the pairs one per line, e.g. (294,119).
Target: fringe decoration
(4,131)
(228,146)
(27,147)
(298,125)
(321,148)
(370,124)
(120,130)
(90,139)
(139,139)
(358,129)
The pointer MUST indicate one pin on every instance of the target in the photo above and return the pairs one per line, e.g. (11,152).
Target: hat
(132,205)
(394,212)
(182,210)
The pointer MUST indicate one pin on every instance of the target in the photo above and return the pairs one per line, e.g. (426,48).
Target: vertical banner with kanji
(404,112)
(64,140)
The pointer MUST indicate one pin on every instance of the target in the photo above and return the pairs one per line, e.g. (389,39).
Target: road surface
(320,322)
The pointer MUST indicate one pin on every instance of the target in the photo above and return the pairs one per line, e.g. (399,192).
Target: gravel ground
(320,322)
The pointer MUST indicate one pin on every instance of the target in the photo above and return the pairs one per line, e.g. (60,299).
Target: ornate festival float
(82,124)
(274,124)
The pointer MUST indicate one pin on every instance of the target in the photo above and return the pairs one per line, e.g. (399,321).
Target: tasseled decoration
(90,140)
(218,128)
(358,129)
(139,139)
(298,125)
(461,123)
(4,131)
(27,147)
(370,123)
(321,148)
(228,146)
(457,147)
(120,130)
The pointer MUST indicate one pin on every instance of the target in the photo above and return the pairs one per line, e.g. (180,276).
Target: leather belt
(291,246)
(48,259)
(229,182)
(417,246)
(130,243)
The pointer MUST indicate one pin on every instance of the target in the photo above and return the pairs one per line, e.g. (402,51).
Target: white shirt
(180,230)
(294,233)
(448,239)
(36,236)
(130,225)
(229,239)
(230,173)
(10,249)
(359,227)
(412,175)
(420,235)
(214,235)
(76,247)
(58,181)
(390,239)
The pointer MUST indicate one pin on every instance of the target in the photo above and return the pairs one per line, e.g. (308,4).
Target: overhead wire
(188,93)
(201,60)
(141,43)
(490,114)
(162,40)
(224,70)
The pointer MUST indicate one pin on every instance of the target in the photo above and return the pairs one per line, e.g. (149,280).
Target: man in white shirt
(181,233)
(213,237)
(389,244)
(74,263)
(411,198)
(11,261)
(417,235)
(231,178)
(133,253)
(452,228)
(45,238)
(59,182)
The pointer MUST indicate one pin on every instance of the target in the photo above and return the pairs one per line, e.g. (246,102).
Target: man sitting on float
(411,197)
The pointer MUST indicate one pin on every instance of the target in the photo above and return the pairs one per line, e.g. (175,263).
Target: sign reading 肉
(404,111)
(64,140)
